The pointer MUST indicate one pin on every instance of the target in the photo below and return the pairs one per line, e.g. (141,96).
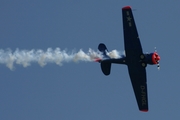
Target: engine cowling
(152,58)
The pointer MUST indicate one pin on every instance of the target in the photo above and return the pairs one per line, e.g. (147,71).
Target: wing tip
(144,110)
(126,8)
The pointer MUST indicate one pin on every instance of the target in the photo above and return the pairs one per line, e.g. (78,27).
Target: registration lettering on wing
(143,95)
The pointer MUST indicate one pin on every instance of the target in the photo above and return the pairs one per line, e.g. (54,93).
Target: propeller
(157,58)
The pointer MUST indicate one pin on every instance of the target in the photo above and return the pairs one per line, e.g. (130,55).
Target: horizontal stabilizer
(106,67)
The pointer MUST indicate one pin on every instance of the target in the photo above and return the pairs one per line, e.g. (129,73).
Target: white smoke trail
(57,56)
(116,54)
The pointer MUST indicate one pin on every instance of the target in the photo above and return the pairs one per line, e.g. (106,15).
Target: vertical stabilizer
(102,48)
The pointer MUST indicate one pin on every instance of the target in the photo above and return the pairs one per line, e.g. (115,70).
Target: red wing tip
(126,7)
(144,110)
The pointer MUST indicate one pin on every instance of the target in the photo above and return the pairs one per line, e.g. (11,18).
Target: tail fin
(102,48)
(105,65)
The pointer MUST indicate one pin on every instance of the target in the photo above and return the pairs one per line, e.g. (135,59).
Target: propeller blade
(158,66)
(155,50)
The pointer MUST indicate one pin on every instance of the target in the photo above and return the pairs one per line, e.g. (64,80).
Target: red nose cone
(158,58)
(155,58)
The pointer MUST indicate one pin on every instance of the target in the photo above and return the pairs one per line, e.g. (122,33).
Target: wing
(137,75)
(133,51)
(131,38)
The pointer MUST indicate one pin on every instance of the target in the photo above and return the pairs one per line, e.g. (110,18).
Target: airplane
(134,58)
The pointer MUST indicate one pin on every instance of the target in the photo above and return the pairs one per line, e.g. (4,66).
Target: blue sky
(80,91)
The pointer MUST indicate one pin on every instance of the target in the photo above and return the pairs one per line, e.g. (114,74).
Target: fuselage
(151,59)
